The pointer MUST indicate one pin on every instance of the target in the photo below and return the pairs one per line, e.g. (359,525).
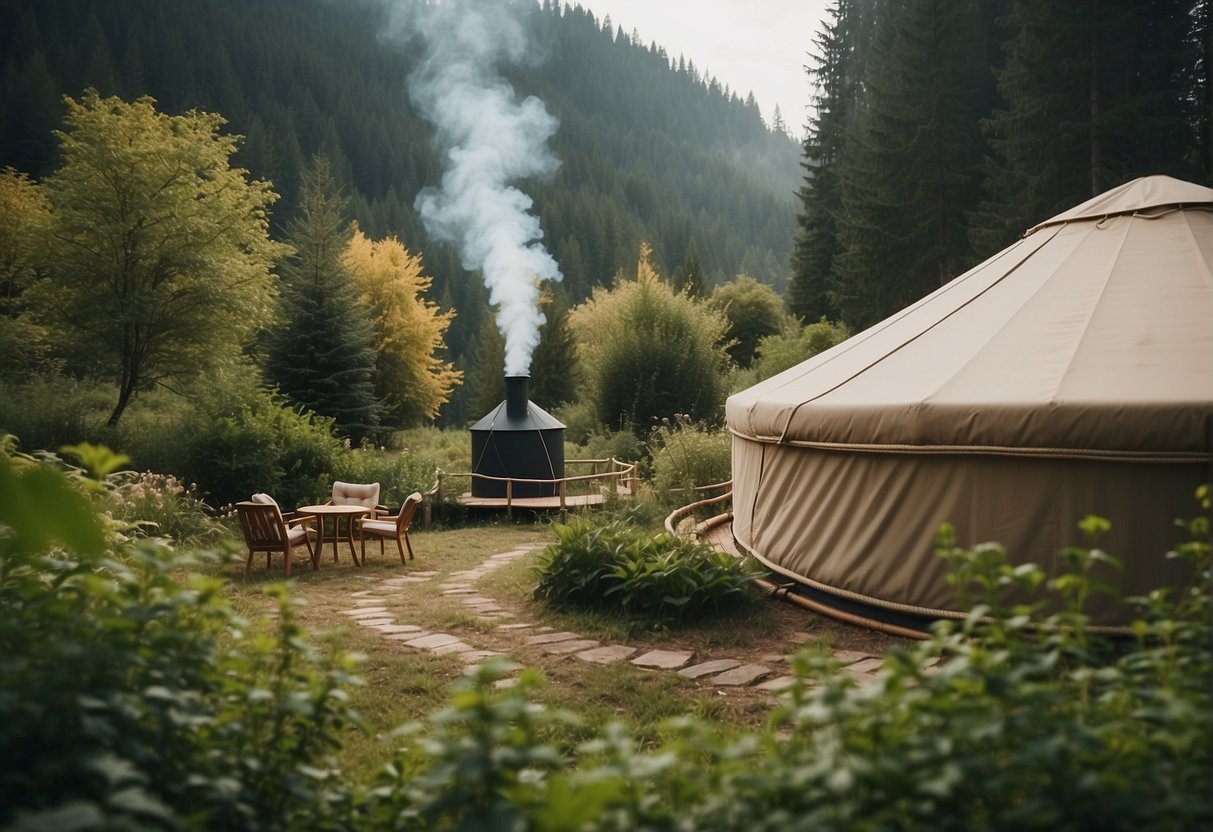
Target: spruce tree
(688,277)
(322,356)
(837,83)
(911,171)
(554,364)
(1096,94)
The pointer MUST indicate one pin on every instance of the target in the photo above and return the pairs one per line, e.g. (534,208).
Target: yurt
(1070,374)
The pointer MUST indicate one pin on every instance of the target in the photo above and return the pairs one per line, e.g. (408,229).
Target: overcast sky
(758,46)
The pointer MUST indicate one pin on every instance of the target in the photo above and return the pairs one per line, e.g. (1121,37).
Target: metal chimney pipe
(516,400)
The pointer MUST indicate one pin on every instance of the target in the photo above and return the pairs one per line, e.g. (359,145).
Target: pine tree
(835,75)
(323,356)
(688,277)
(1096,93)
(911,171)
(554,363)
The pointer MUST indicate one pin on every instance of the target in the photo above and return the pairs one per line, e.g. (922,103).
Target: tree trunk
(126,392)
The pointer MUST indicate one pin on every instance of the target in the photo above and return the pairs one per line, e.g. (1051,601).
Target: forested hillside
(944,129)
(650,148)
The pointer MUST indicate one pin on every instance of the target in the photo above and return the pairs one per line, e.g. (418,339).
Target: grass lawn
(402,684)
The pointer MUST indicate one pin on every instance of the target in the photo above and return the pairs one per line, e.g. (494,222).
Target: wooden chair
(266,530)
(357,494)
(391,527)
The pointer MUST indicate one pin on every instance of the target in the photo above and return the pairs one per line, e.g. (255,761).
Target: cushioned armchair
(357,494)
(267,530)
(391,528)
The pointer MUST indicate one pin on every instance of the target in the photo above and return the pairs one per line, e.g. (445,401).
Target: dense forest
(651,149)
(944,129)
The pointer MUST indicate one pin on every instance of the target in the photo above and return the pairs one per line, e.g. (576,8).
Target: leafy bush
(687,455)
(646,350)
(48,412)
(247,441)
(130,700)
(659,579)
(794,343)
(602,444)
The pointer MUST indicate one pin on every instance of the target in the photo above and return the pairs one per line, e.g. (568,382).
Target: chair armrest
(299,521)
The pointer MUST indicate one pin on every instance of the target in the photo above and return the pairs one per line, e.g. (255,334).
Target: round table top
(333,510)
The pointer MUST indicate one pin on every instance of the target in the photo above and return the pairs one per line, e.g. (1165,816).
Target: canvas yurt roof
(1093,333)
(1068,374)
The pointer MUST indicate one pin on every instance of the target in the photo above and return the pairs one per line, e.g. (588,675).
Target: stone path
(367,610)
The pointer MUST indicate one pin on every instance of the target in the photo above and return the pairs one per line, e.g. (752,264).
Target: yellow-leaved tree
(411,376)
(24,217)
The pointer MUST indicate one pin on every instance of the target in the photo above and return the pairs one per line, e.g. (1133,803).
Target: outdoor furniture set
(267,529)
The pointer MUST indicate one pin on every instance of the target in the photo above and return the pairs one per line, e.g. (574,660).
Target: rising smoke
(489,139)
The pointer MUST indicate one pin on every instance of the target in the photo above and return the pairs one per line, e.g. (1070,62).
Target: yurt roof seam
(1103,293)
(972,274)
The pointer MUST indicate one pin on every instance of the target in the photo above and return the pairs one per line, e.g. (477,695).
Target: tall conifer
(322,356)
(911,171)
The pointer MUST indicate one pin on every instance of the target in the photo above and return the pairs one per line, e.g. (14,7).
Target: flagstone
(864,666)
(406,637)
(708,668)
(606,655)
(453,647)
(779,684)
(573,646)
(433,640)
(745,675)
(550,638)
(373,622)
(849,656)
(664,659)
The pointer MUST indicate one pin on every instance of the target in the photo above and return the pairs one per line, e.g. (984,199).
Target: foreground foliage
(132,700)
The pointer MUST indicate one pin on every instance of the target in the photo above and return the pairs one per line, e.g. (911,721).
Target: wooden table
(335,512)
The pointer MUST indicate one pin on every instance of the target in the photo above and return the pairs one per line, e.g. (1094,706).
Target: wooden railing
(679,514)
(615,472)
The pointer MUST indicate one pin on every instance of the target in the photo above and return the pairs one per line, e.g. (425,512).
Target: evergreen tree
(911,171)
(323,355)
(689,278)
(486,378)
(1096,93)
(554,363)
(835,76)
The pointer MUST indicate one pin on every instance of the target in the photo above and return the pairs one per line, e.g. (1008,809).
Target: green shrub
(686,456)
(249,441)
(603,444)
(616,567)
(48,412)
(132,700)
